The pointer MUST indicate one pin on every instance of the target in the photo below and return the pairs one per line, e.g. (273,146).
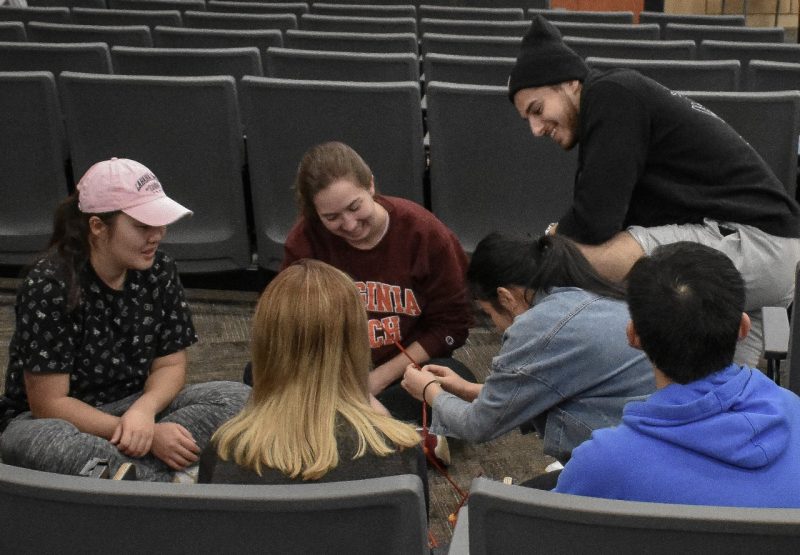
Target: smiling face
(551,111)
(350,212)
(123,244)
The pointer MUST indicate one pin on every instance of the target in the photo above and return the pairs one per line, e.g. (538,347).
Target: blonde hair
(311,358)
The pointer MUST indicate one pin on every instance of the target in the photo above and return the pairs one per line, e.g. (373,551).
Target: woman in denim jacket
(564,368)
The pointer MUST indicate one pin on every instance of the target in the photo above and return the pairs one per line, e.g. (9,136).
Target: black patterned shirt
(108,342)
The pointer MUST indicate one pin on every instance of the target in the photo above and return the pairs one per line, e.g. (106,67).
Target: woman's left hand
(414,380)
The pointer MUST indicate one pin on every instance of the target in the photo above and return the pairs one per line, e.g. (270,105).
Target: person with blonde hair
(309,416)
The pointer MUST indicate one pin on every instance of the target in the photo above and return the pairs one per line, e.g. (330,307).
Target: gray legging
(55,445)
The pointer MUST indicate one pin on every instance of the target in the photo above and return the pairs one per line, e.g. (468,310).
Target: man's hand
(173,444)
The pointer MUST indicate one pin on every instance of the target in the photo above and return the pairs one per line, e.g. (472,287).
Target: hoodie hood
(729,416)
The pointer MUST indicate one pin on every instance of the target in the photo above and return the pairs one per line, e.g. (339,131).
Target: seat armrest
(459,544)
(776,332)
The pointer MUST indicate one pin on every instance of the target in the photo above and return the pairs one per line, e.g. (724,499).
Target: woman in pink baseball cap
(97,362)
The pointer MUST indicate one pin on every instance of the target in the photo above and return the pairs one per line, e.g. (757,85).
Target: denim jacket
(564,367)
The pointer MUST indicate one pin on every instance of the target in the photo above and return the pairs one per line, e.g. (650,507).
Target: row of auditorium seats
(379,515)
(487,172)
(223,15)
(721,66)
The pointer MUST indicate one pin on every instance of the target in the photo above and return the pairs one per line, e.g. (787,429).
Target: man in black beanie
(654,168)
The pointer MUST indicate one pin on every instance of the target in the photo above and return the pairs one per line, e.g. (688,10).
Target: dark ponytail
(535,264)
(69,243)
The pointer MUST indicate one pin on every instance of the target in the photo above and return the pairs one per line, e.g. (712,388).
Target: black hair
(535,264)
(69,243)
(686,302)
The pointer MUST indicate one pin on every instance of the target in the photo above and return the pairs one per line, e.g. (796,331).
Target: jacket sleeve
(448,312)
(613,150)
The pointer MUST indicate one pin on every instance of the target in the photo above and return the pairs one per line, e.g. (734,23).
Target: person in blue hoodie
(714,432)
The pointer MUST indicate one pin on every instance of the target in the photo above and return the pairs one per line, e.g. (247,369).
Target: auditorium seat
(680,75)
(295,8)
(469,12)
(151,18)
(32,166)
(180,5)
(67,3)
(488,172)
(471,45)
(698,33)
(187,131)
(12,31)
(609,30)
(113,35)
(398,9)
(90,57)
(348,24)
(251,21)
(471,27)
(236,62)
(746,51)
(180,37)
(289,63)
(504,519)
(769,121)
(765,75)
(284,118)
(475,70)
(58,514)
(351,42)
(641,49)
(661,18)
(25,15)
(581,16)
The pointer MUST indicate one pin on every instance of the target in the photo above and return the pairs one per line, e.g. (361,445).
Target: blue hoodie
(729,439)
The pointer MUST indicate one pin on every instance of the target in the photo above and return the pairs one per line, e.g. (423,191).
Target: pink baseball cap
(127,185)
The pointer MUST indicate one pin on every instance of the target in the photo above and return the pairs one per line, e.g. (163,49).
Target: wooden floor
(222,319)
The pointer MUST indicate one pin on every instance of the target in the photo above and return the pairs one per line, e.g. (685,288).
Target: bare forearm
(393,369)
(84,417)
(161,387)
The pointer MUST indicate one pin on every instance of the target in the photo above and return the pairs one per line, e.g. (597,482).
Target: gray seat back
(351,24)
(151,18)
(181,37)
(698,33)
(475,70)
(113,35)
(471,45)
(295,8)
(638,49)
(378,515)
(662,19)
(33,166)
(680,75)
(180,5)
(187,131)
(763,75)
(769,121)
(471,27)
(91,57)
(488,172)
(581,16)
(12,31)
(236,62)
(514,519)
(470,12)
(351,42)
(321,65)
(629,31)
(25,15)
(354,9)
(217,20)
(283,120)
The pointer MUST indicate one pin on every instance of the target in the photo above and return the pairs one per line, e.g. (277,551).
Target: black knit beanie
(544,59)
